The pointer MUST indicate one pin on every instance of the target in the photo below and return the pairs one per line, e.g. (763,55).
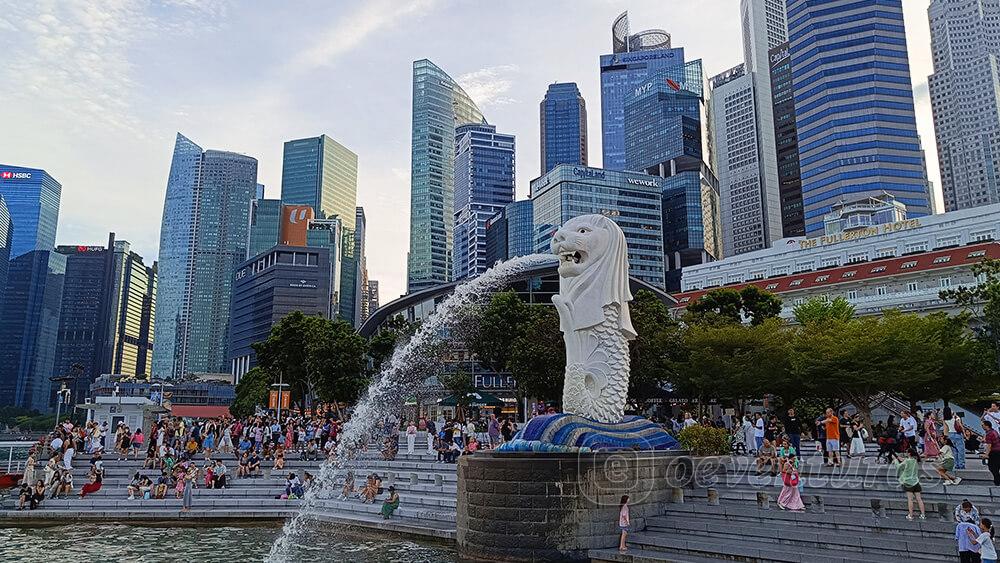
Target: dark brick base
(527,506)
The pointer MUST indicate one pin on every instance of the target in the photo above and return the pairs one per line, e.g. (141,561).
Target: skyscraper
(133,312)
(484,183)
(203,237)
(439,105)
(323,174)
(667,135)
(29,326)
(373,299)
(265,223)
(854,111)
(630,199)
(6,231)
(737,162)
(964,89)
(510,233)
(353,272)
(635,58)
(786,143)
(329,234)
(32,198)
(563,126)
(765,26)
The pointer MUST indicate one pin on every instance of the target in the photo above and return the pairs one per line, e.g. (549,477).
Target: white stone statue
(593,315)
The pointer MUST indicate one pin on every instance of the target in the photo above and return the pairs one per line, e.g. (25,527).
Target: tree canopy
(726,306)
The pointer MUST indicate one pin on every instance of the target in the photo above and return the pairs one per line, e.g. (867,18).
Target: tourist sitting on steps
(966,512)
(767,455)
(390,504)
(24,495)
(162,483)
(243,469)
(946,461)
(349,489)
(37,495)
(373,486)
(96,478)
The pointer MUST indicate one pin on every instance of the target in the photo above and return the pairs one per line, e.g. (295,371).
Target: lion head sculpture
(593,270)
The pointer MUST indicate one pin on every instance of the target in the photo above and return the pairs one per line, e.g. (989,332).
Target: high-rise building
(204,235)
(854,110)
(964,92)
(321,173)
(354,272)
(269,286)
(83,347)
(765,27)
(510,233)
(439,106)
(6,231)
(630,199)
(373,300)
(29,326)
(563,126)
(133,312)
(666,135)
(484,184)
(737,162)
(32,198)
(786,143)
(635,58)
(265,223)
(329,234)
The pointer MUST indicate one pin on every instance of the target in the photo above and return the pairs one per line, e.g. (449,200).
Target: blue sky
(94,92)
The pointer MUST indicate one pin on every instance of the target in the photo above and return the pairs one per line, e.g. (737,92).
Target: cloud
(488,86)
(351,31)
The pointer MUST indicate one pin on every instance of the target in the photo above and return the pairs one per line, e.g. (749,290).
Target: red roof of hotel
(199,411)
(874,269)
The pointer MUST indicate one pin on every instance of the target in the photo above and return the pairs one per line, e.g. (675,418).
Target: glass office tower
(563,126)
(203,237)
(484,184)
(29,327)
(265,225)
(854,112)
(323,174)
(439,105)
(786,143)
(636,58)
(32,198)
(6,231)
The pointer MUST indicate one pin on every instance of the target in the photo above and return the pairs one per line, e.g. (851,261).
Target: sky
(95,92)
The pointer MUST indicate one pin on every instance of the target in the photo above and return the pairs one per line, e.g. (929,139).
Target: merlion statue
(593,315)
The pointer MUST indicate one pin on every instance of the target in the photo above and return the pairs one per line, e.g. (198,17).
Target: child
(623,523)
(987,551)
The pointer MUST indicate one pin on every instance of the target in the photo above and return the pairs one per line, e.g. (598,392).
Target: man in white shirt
(758,431)
(908,426)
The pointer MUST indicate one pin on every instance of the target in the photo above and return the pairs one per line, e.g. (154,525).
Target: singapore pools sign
(860,233)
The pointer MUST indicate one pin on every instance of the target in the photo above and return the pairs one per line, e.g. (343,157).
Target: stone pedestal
(528,506)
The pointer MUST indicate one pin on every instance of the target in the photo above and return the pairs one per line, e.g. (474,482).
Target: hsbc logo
(8,175)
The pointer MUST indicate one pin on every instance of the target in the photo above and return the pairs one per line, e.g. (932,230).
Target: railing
(16,454)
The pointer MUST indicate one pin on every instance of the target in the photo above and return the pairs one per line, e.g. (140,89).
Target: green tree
(393,332)
(982,302)
(728,306)
(491,338)
(335,359)
(856,360)
(735,361)
(656,349)
(819,309)
(251,392)
(537,358)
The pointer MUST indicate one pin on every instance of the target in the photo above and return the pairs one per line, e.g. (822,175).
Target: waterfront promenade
(729,513)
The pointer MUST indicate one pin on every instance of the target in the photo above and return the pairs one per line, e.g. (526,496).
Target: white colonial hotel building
(901,264)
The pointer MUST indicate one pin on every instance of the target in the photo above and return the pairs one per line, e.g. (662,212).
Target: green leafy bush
(704,440)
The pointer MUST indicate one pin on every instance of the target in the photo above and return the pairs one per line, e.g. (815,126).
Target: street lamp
(280,385)
(63,394)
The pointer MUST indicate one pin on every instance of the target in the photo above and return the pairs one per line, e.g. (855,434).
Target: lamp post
(280,385)
(63,394)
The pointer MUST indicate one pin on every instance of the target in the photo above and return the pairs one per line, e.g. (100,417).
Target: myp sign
(11,175)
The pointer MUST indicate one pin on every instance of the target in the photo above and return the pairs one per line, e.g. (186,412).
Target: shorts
(624,528)
(912,488)
(833,445)
(947,464)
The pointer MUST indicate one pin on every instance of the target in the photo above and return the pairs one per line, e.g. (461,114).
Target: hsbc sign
(8,175)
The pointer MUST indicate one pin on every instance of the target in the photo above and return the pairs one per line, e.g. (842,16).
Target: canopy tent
(477,399)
